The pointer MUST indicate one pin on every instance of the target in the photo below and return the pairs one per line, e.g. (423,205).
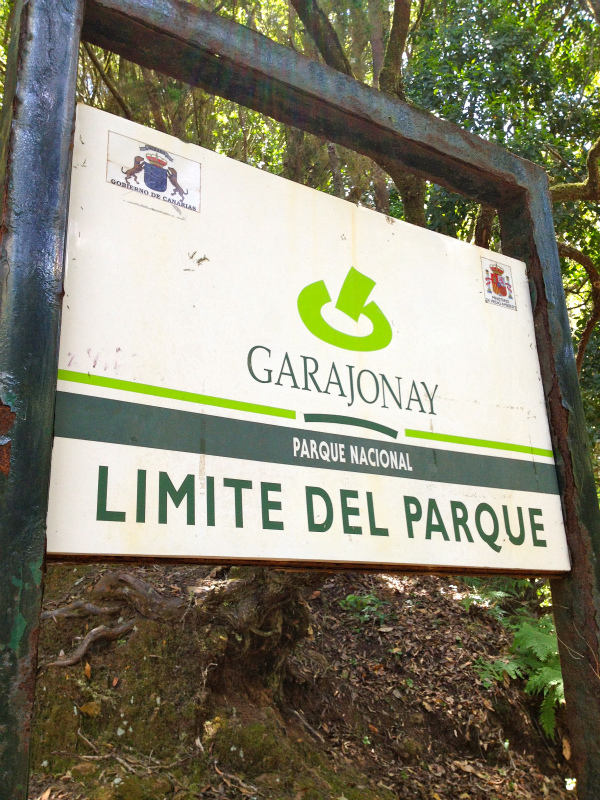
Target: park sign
(253,370)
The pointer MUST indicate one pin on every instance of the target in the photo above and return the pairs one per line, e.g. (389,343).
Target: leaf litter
(385,685)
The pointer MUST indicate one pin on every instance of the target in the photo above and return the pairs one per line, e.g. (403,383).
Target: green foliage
(534,650)
(493,594)
(366,608)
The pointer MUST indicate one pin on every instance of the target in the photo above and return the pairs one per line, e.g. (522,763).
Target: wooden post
(37,130)
(528,234)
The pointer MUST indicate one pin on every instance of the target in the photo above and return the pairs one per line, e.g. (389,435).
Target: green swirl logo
(352,301)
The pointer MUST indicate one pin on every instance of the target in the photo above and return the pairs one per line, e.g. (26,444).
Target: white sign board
(251,369)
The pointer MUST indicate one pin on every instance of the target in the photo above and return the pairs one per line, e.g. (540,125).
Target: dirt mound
(381,700)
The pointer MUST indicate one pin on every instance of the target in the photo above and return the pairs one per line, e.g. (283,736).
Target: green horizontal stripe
(358,423)
(444,437)
(172,394)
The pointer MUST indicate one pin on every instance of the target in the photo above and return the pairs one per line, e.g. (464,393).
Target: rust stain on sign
(7,419)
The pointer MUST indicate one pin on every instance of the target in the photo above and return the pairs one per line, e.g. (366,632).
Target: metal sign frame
(230,60)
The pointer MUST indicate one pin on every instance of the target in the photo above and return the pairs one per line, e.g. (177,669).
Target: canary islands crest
(151,171)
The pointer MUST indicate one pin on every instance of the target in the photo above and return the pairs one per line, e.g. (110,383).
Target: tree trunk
(483,225)
(336,171)
(376,37)
(412,190)
(382,195)
(293,158)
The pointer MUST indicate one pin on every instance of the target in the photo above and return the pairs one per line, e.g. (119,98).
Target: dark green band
(98,419)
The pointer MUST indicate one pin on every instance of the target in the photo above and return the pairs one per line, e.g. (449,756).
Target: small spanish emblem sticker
(153,172)
(498,284)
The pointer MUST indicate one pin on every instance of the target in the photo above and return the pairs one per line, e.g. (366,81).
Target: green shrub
(366,607)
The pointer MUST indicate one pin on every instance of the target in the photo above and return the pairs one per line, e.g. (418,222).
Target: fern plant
(536,643)
(534,650)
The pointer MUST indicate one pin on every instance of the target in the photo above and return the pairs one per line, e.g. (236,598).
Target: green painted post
(37,130)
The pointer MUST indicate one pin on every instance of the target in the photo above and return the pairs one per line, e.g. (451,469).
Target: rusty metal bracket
(227,59)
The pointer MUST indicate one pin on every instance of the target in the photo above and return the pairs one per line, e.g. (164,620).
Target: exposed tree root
(250,618)
(80,609)
(138,594)
(304,722)
(101,632)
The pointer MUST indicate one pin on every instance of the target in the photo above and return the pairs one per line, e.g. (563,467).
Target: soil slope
(381,701)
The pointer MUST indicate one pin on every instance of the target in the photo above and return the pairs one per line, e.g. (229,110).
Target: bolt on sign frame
(227,59)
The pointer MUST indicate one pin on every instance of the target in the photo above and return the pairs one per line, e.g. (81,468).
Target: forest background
(522,73)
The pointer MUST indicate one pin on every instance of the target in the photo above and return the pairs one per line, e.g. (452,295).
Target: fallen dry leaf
(91,709)
(115,682)
(88,670)
(566,748)
(46,795)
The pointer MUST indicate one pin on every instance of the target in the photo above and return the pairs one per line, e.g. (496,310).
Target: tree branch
(594,6)
(154,99)
(586,336)
(563,161)
(336,171)
(417,22)
(586,262)
(323,34)
(412,190)
(390,77)
(110,85)
(589,189)
(382,195)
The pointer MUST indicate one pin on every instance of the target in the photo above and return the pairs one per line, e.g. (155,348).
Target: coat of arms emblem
(156,173)
(498,284)
(156,177)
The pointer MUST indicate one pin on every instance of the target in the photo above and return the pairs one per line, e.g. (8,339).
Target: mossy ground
(378,709)
(145,703)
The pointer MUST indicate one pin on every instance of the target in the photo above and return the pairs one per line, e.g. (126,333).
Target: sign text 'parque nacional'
(251,369)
